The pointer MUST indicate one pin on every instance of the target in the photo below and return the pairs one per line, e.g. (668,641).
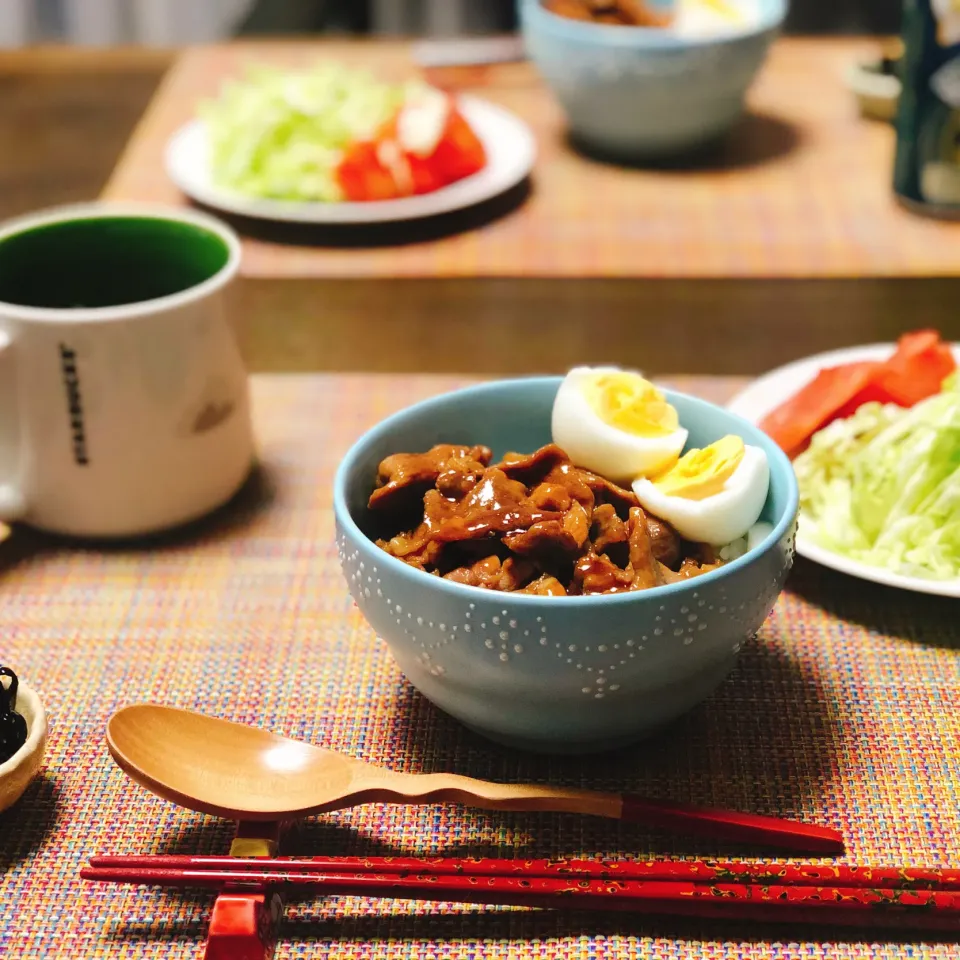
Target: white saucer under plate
(772,389)
(511,152)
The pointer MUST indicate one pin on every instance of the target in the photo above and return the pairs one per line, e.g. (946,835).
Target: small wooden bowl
(23,766)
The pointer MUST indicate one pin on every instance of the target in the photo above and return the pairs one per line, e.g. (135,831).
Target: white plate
(511,151)
(772,389)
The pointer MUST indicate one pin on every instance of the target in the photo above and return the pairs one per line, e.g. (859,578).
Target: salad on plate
(876,450)
(331,134)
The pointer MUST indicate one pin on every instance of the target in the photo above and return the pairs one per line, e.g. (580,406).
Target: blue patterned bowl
(556,674)
(638,93)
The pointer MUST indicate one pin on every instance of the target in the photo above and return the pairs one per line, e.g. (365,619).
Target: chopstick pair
(791,893)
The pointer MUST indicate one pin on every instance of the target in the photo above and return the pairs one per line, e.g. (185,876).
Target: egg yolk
(699,474)
(724,9)
(631,404)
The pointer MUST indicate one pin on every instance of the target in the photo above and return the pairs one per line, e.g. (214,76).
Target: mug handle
(12,504)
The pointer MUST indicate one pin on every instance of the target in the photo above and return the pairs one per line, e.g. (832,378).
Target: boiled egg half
(616,423)
(714,495)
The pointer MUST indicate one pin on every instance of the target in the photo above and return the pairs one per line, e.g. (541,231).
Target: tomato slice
(873,392)
(426,177)
(364,175)
(793,423)
(460,152)
(917,369)
(363,178)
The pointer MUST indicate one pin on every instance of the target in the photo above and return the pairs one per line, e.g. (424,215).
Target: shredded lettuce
(883,486)
(282,135)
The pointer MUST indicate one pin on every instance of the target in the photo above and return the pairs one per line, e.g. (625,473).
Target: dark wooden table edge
(500,326)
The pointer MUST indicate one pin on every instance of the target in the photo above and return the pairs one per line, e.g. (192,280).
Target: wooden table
(785,240)
(65,114)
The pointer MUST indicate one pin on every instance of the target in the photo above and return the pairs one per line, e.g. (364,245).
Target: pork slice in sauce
(484,573)
(496,504)
(596,574)
(571,9)
(646,570)
(665,542)
(636,13)
(609,534)
(604,491)
(415,548)
(405,477)
(551,496)
(574,481)
(553,540)
(546,585)
(546,541)
(492,573)
(533,468)
(688,569)
(458,476)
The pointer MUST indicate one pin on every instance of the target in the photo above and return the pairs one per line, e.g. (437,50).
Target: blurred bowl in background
(635,93)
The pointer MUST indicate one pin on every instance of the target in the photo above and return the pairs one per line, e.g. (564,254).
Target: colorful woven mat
(846,709)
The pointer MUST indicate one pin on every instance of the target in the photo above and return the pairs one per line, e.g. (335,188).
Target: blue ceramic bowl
(556,674)
(638,93)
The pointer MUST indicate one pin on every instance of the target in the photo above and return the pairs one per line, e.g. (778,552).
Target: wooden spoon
(244,773)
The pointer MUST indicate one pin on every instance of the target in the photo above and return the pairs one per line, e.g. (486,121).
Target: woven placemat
(844,710)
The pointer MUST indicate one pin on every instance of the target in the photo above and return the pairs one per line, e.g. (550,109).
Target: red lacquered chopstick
(825,905)
(788,874)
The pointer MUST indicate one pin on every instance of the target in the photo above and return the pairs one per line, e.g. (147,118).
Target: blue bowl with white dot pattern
(556,674)
(637,93)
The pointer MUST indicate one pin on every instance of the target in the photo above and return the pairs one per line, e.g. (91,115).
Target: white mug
(119,418)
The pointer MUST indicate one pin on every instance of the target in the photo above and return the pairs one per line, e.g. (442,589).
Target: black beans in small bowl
(13,727)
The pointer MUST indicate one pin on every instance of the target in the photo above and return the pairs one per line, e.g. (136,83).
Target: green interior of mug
(106,261)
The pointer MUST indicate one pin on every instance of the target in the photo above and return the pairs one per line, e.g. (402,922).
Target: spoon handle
(674,817)
(452,788)
(732,825)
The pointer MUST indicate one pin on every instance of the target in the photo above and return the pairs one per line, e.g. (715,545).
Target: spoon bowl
(227,769)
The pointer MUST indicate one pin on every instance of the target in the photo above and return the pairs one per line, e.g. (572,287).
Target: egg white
(596,445)
(719,519)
